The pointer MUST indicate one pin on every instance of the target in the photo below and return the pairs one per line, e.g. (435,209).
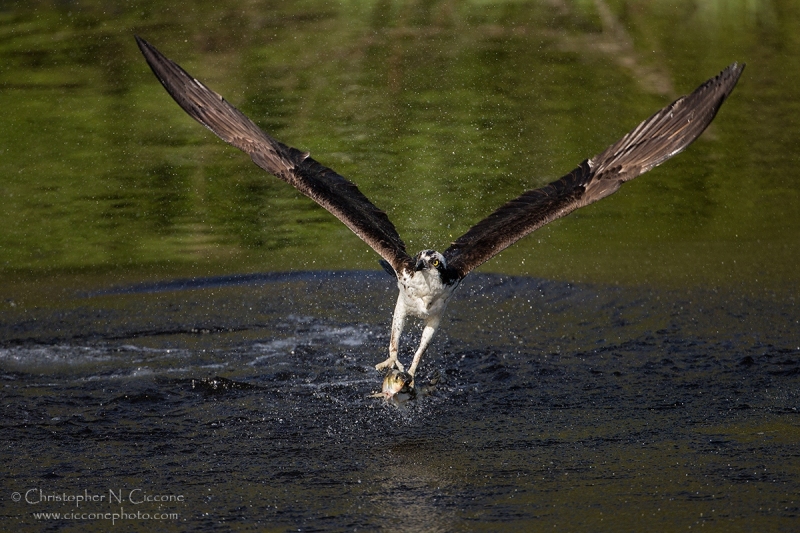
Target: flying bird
(427,280)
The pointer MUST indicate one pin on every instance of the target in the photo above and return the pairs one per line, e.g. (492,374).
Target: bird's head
(429,260)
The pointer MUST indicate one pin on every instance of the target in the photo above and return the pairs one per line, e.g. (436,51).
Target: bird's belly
(424,304)
(424,307)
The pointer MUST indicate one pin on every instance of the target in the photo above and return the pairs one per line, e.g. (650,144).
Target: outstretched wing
(330,190)
(663,135)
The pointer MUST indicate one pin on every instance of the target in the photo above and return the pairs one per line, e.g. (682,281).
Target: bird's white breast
(424,294)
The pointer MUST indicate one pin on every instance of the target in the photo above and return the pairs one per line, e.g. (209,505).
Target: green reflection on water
(438,111)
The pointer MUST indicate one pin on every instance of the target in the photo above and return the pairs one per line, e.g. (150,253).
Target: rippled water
(562,406)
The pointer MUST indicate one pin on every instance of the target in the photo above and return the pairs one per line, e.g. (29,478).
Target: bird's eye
(435,263)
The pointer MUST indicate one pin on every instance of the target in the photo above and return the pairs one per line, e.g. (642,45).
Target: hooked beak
(420,265)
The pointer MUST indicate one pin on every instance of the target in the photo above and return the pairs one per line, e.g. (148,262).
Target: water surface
(438,112)
(567,406)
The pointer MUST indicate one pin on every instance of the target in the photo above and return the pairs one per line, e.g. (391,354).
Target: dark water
(562,407)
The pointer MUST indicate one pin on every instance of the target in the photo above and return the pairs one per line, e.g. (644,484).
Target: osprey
(427,280)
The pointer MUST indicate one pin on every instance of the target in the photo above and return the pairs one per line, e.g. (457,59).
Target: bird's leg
(398,321)
(427,334)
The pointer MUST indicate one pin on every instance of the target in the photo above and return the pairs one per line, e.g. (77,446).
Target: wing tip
(147,49)
(723,83)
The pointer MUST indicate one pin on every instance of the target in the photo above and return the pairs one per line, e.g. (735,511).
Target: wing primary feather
(665,134)
(338,195)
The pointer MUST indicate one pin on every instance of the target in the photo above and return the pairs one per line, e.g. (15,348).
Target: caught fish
(399,388)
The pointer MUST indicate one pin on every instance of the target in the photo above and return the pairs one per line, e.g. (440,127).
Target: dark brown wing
(330,190)
(652,142)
